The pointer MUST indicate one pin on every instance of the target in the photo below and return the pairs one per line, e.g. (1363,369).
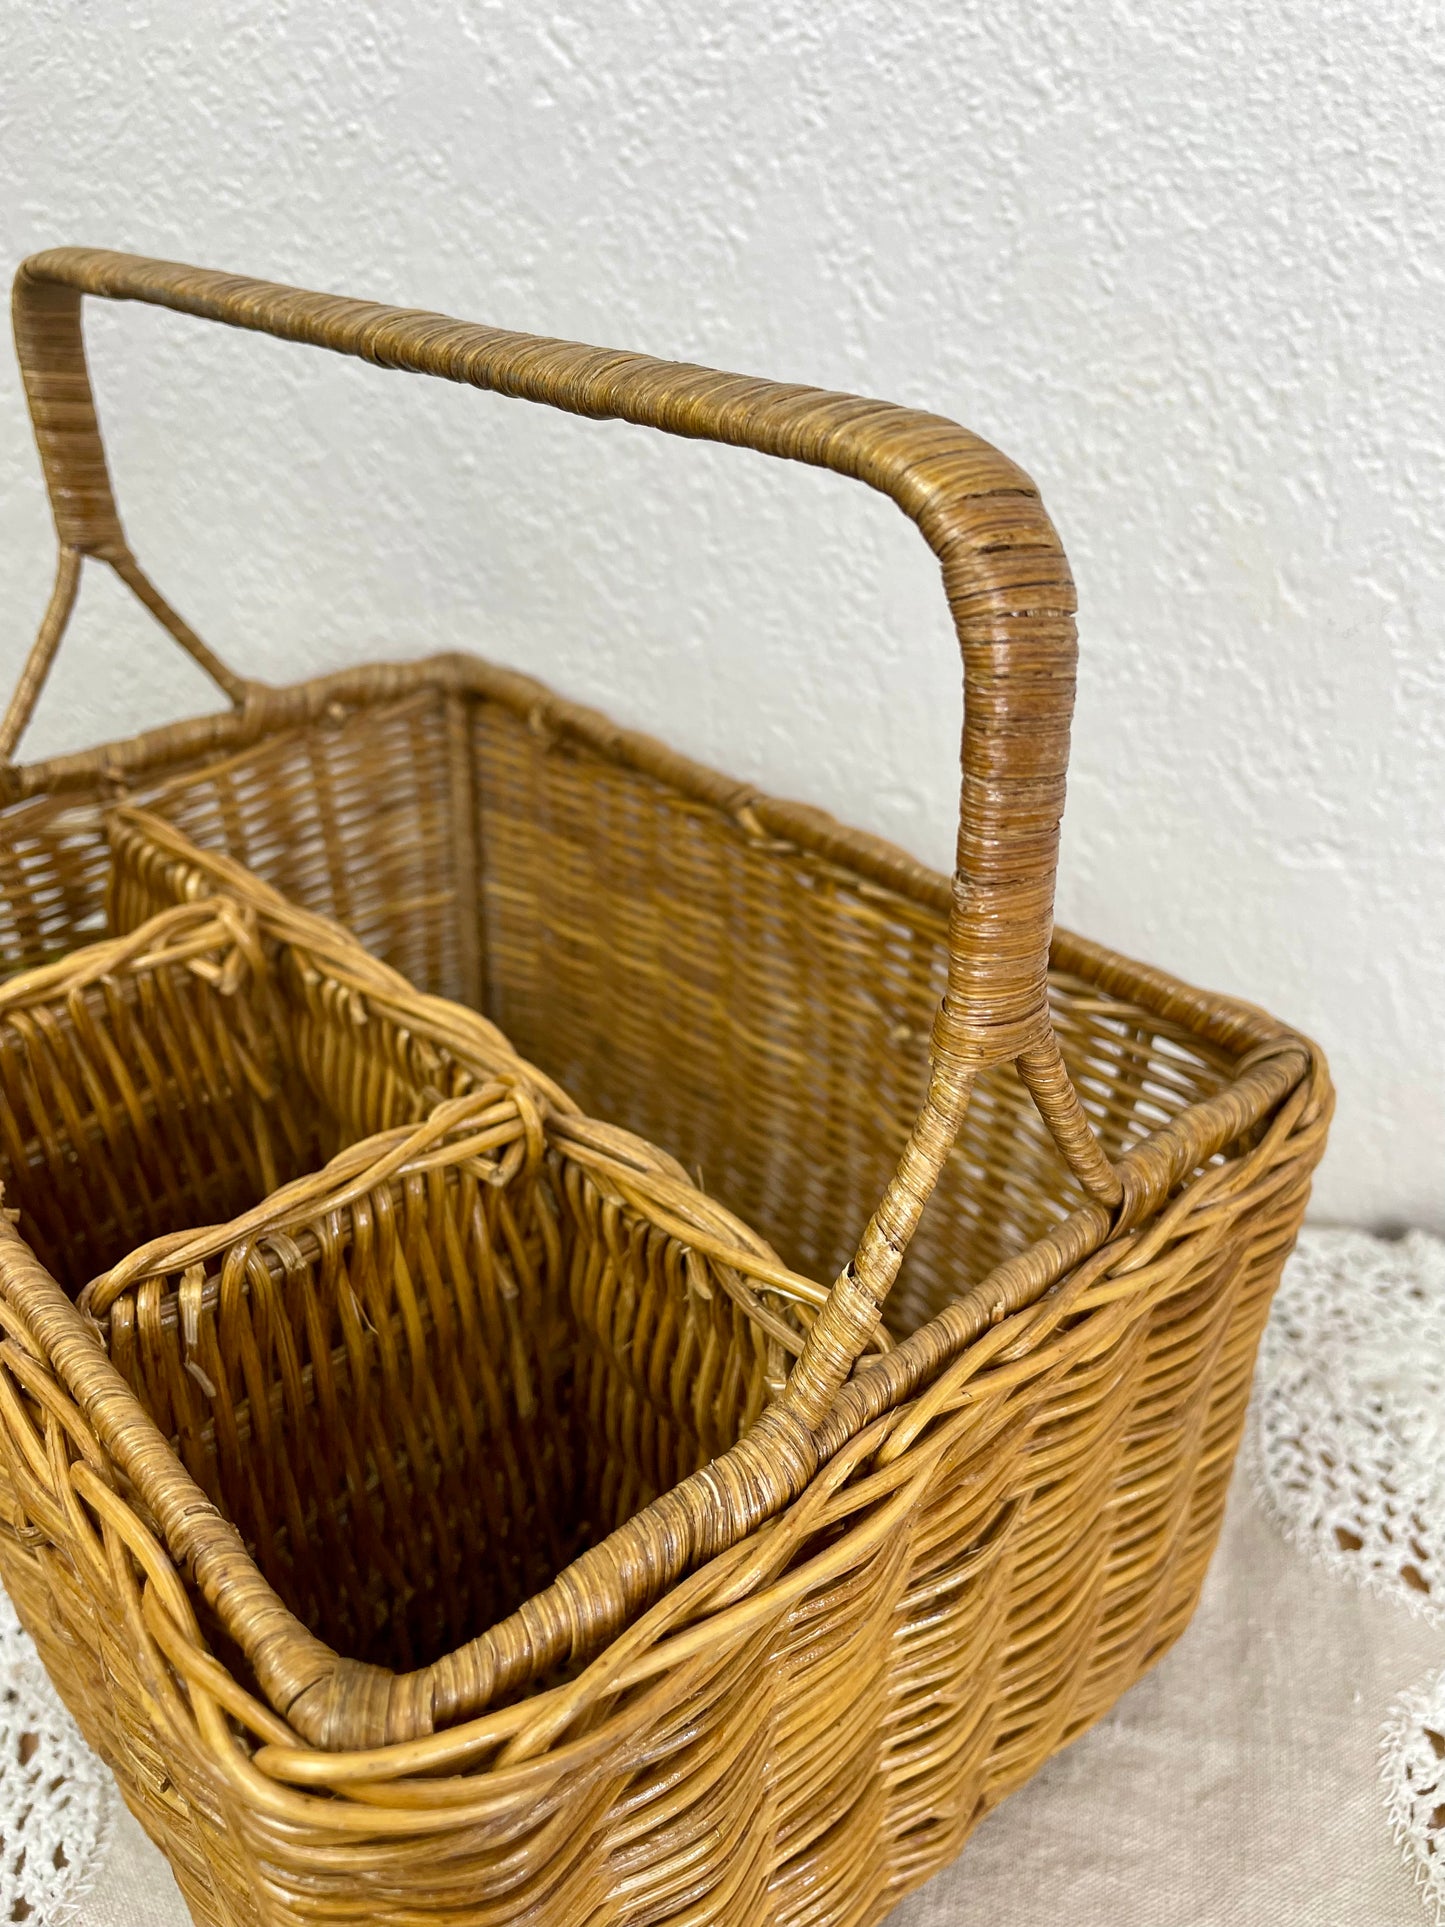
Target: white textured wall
(1184,262)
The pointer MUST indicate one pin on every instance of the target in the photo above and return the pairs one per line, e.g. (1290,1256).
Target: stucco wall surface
(1185,263)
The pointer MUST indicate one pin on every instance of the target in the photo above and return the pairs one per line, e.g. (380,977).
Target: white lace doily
(1349,1455)
(1350,1410)
(1414,1773)
(57,1801)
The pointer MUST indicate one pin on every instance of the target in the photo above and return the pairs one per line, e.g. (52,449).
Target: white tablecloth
(1236,1786)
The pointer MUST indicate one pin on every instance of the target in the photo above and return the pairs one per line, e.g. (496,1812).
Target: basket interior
(758,1008)
(417,1408)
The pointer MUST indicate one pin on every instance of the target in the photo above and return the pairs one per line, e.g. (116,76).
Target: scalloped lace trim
(1349,1456)
(1413,1749)
(57,1800)
(1350,1411)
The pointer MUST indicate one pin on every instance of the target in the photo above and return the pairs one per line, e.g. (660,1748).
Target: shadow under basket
(436,1348)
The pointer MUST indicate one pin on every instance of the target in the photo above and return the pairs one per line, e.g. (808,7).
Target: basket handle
(1004,572)
(51,352)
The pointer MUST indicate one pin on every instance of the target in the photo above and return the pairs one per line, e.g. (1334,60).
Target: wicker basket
(978,1540)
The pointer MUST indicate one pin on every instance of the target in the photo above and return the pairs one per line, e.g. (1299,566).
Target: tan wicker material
(979,1538)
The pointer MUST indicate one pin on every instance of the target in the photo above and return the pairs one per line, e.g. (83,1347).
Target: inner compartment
(416,1409)
(145,1102)
(419,1409)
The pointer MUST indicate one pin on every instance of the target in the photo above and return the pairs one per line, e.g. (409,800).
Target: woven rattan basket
(913,1580)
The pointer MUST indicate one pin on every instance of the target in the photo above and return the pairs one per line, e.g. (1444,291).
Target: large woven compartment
(790,1687)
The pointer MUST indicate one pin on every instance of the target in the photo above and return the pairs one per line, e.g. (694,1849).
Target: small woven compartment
(419,1380)
(141,1090)
(407,1401)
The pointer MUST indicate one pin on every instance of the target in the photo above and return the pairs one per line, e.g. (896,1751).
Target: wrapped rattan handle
(51,352)
(1004,573)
